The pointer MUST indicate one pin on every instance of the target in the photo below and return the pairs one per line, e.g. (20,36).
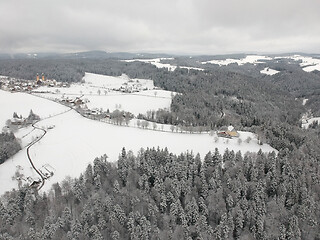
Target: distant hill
(81,55)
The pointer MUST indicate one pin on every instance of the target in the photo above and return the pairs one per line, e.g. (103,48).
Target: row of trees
(9,146)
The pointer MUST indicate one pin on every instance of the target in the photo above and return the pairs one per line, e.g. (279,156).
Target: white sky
(170,26)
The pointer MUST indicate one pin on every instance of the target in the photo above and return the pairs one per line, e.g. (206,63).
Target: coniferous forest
(158,195)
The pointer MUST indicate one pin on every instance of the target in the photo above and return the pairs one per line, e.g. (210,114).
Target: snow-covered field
(104,81)
(157,62)
(98,90)
(269,71)
(307,122)
(22,103)
(253,59)
(75,141)
(97,84)
(134,103)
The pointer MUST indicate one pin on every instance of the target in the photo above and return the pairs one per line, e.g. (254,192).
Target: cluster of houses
(80,105)
(22,85)
(77,101)
(14,84)
(131,87)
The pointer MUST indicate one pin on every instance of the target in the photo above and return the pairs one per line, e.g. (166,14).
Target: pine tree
(66,219)
(76,229)
(94,233)
(115,235)
(192,212)
(48,229)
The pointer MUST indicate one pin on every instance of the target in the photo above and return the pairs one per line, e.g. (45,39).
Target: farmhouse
(228,132)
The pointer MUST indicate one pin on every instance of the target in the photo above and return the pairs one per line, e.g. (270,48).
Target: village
(22,85)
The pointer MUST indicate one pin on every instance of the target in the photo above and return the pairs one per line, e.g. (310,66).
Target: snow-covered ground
(75,141)
(98,90)
(192,68)
(134,103)
(304,101)
(97,84)
(104,81)
(307,122)
(157,62)
(308,64)
(22,103)
(269,71)
(253,59)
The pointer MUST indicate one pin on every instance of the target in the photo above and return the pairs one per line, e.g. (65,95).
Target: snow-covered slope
(135,103)
(307,122)
(157,62)
(269,71)
(104,81)
(22,103)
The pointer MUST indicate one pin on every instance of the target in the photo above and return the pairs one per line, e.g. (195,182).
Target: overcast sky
(170,26)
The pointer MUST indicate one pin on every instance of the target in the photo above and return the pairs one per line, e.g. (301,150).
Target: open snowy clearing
(269,71)
(253,59)
(304,101)
(134,103)
(157,62)
(75,141)
(105,81)
(307,122)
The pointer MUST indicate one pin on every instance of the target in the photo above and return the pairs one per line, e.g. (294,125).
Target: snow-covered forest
(170,167)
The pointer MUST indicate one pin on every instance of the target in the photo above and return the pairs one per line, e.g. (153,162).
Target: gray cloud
(176,26)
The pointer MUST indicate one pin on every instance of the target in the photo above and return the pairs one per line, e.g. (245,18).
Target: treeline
(9,146)
(72,70)
(158,195)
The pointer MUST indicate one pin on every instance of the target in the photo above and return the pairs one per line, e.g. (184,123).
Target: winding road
(37,140)
(28,153)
